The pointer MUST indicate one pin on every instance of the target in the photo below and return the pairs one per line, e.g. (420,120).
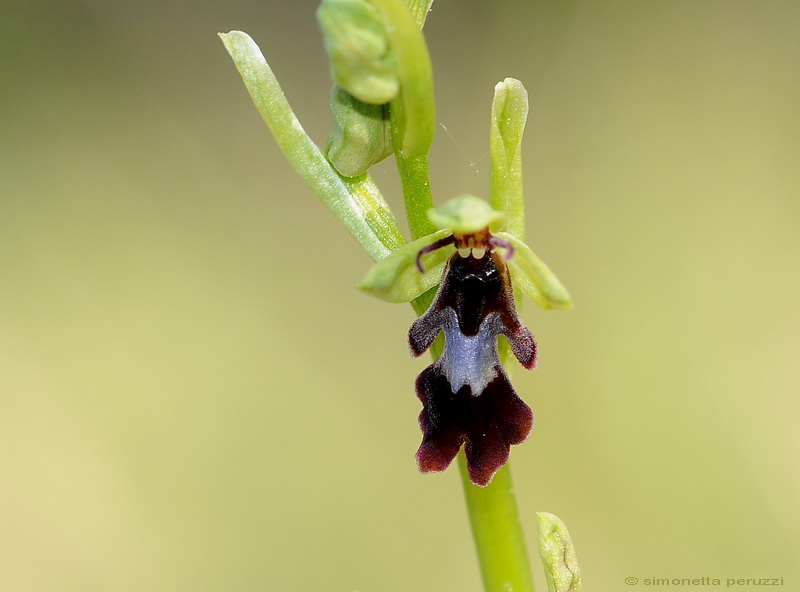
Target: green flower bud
(361,135)
(558,555)
(358,47)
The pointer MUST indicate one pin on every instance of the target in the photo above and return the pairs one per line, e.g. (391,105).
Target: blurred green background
(194,397)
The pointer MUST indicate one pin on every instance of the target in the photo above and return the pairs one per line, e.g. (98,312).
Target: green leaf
(355,202)
(509,113)
(361,136)
(558,555)
(465,214)
(357,43)
(533,277)
(369,202)
(396,277)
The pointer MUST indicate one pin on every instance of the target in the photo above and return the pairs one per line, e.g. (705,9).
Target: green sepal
(509,114)
(396,278)
(358,47)
(533,277)
(361,135)
(466,214)
(558,555)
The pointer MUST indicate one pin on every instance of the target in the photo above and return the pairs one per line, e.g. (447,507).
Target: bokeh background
(194,397)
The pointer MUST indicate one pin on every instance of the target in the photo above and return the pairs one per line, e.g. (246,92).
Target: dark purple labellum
(466,395)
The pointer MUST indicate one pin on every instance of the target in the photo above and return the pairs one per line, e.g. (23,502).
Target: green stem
(496,528)
(416,193)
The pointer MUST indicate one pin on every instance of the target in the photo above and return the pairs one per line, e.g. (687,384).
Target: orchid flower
(466,394)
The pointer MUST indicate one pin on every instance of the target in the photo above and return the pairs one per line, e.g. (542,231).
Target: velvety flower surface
(466,395)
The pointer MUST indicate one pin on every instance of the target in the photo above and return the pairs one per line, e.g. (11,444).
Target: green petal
(361,135)
(466,214)
(558,555)
(396,277)
(509,113)
(358,46)
(534,278)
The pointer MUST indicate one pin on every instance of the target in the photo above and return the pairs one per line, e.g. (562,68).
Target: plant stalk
(497,531)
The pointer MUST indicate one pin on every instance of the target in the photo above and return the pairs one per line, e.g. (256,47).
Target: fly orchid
(383,104)
(466,395)
(467,398)
(477,256)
